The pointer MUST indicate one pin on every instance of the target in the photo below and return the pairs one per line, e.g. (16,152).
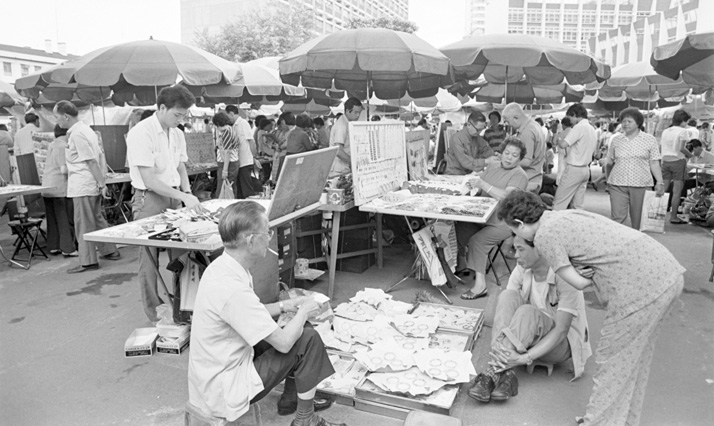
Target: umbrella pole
(369,80)
(505,94)
(91,107)
(104,115)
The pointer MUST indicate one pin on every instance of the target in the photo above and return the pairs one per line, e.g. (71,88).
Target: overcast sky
(86,25)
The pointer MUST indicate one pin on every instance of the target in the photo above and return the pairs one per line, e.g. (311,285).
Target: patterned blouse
(632,160)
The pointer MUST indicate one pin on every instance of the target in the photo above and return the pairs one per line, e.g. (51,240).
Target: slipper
(465,273)
(469,295)
(677,222)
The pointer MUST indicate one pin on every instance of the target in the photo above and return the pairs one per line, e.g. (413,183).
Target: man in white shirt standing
(530,132)
(246,150)
(156,153)
(340,137)
(581,143)
(86,168)
(23,138)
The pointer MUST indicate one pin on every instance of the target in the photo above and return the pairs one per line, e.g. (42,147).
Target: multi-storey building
(328,15)
(21,61)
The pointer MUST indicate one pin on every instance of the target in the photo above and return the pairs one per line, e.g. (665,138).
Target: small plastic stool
(536,363)
(194,416)
(425,418)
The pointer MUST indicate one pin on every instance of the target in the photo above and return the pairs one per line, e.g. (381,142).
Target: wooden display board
(200,148)
(301,181)
(378,156)
(42,141)
(113,141)
(417,154)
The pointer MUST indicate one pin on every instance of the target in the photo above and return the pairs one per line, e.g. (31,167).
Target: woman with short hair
(632,158)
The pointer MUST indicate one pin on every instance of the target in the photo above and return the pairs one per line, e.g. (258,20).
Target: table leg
(334,240)
(155,262)
(380,260)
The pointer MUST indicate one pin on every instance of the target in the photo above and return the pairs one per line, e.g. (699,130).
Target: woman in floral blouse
(633,157)
(637,277)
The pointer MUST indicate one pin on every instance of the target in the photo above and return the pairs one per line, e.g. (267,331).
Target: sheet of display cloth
(411,382)
(371,296)
(356,311)
(393,308)
(386,356)
(413,326)
(453,367)
(450,317)
(329,340)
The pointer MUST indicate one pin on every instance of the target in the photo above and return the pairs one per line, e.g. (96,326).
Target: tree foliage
(395,24)
(259,33)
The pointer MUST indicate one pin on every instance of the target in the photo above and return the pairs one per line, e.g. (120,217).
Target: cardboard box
(173,346)
(141,342)
(173,330)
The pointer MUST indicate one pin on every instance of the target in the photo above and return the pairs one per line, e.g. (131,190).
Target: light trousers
(571,189)
(88,217)
(624,200)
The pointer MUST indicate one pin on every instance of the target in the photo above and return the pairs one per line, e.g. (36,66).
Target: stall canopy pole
(104,116)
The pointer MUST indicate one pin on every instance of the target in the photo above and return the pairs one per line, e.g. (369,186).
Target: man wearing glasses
(238,352)
(156,153)
(468,152)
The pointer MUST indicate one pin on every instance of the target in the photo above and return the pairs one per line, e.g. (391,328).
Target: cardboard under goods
(141,342)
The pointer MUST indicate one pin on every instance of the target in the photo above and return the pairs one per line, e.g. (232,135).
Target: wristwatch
(282,307)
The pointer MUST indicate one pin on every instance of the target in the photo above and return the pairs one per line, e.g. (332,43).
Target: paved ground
(61,340)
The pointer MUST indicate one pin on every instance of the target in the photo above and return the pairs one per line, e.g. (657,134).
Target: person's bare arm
(283,339)
(573,277)
(153,183)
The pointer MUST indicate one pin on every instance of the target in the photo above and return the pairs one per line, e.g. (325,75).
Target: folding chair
(495,251)
(28,230)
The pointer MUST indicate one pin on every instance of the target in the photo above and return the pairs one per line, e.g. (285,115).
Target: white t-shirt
(148,145)
(228,320)
(245,134)
(82,146)
(23,140)
(672,140)
(340,136)
(582,142)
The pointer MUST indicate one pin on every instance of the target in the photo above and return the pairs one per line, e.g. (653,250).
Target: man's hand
(292,305)
(192,202)
(310,307)
(105,192)
(503,359)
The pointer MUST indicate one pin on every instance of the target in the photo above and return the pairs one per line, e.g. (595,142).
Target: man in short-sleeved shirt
(23,138)
(468,152)
(156,153)
(86,168)
(340,137)
(246,150)
(581,143)
(538,317)
(531,134)
(238,352)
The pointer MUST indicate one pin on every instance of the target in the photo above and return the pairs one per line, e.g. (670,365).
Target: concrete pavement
(62,336)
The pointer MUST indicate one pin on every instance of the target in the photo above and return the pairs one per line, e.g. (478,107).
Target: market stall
(9,191)
(297,193)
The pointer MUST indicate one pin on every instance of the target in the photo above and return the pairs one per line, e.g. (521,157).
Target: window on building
(7,68)
(552,17)
(625,18)
(570,36)
(607,17)
(514,30)
(38,68)
(515,15)
(534,17)
(24,70)
(552,34)
(570,17)
(589,17)
(535,31)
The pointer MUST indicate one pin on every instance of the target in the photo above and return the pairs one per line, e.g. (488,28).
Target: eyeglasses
(270,233)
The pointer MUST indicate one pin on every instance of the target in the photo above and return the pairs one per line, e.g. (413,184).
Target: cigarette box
(173,345)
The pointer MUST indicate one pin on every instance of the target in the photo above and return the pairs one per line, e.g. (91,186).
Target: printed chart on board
(378,156)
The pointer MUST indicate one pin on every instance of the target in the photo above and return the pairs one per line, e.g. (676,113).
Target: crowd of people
(560,249)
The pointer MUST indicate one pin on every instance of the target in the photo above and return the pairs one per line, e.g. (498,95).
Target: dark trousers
(307,361)
(60,224)
(245,186)
(232,178)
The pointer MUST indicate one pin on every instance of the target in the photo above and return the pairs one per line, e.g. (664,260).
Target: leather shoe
(112,256)
(83,268)
(317,421)
(506,387)
(287,406)
(482,388)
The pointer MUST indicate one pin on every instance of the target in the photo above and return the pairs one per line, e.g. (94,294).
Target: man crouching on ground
(238,352)
(538,317)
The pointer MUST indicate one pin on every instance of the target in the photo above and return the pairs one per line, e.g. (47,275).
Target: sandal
(469,295)
(465,273)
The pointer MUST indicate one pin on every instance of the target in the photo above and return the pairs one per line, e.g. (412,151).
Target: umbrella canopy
(257,83)
(147,63)
(640,82)
(9,96)
(525,93)
(389,63)
(692,58)
(510,58)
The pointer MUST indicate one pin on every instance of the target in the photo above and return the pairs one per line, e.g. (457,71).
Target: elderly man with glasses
(468,152)
(238,352)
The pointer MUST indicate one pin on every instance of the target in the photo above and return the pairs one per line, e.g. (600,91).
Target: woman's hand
(659,189)
(585,271)
(474,183)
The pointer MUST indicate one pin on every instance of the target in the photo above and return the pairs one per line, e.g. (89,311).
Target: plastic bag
(654,211)
(226,191)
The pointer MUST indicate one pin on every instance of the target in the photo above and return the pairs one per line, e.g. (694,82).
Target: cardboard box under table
(297,193)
